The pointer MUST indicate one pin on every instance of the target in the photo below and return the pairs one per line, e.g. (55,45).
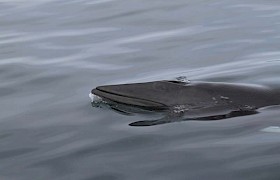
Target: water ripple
(24,37)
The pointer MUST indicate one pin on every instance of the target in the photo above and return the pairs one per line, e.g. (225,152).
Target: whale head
(155,95)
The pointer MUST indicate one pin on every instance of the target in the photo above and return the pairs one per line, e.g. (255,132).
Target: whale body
(190,101)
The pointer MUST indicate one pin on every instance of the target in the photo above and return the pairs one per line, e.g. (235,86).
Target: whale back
(195,95)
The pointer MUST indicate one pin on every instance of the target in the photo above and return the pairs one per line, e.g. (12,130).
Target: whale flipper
(150,122)
(166,120)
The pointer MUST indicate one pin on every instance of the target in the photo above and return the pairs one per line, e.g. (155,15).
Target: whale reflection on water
(179,100)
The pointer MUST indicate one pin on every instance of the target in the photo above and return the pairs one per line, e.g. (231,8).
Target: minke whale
(194,100)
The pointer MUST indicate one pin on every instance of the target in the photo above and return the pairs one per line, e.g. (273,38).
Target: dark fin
(224,116)
(170,119)
(148,123)
(164,120)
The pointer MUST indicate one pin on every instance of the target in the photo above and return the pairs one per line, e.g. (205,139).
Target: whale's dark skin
(190,101)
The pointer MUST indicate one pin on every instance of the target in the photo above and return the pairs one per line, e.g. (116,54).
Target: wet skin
(190,101)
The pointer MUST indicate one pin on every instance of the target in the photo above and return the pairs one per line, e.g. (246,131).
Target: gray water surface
(53,52)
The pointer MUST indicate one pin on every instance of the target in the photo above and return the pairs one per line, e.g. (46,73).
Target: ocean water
(53,52)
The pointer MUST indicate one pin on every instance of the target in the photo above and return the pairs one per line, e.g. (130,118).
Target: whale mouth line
(107,95)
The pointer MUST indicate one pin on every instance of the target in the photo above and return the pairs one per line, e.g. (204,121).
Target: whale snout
(128,94)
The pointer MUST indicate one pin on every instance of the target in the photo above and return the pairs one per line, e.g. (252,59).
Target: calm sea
(53,52)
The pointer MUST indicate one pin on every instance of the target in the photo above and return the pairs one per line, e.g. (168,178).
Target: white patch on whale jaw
(96,101)
(95,98)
